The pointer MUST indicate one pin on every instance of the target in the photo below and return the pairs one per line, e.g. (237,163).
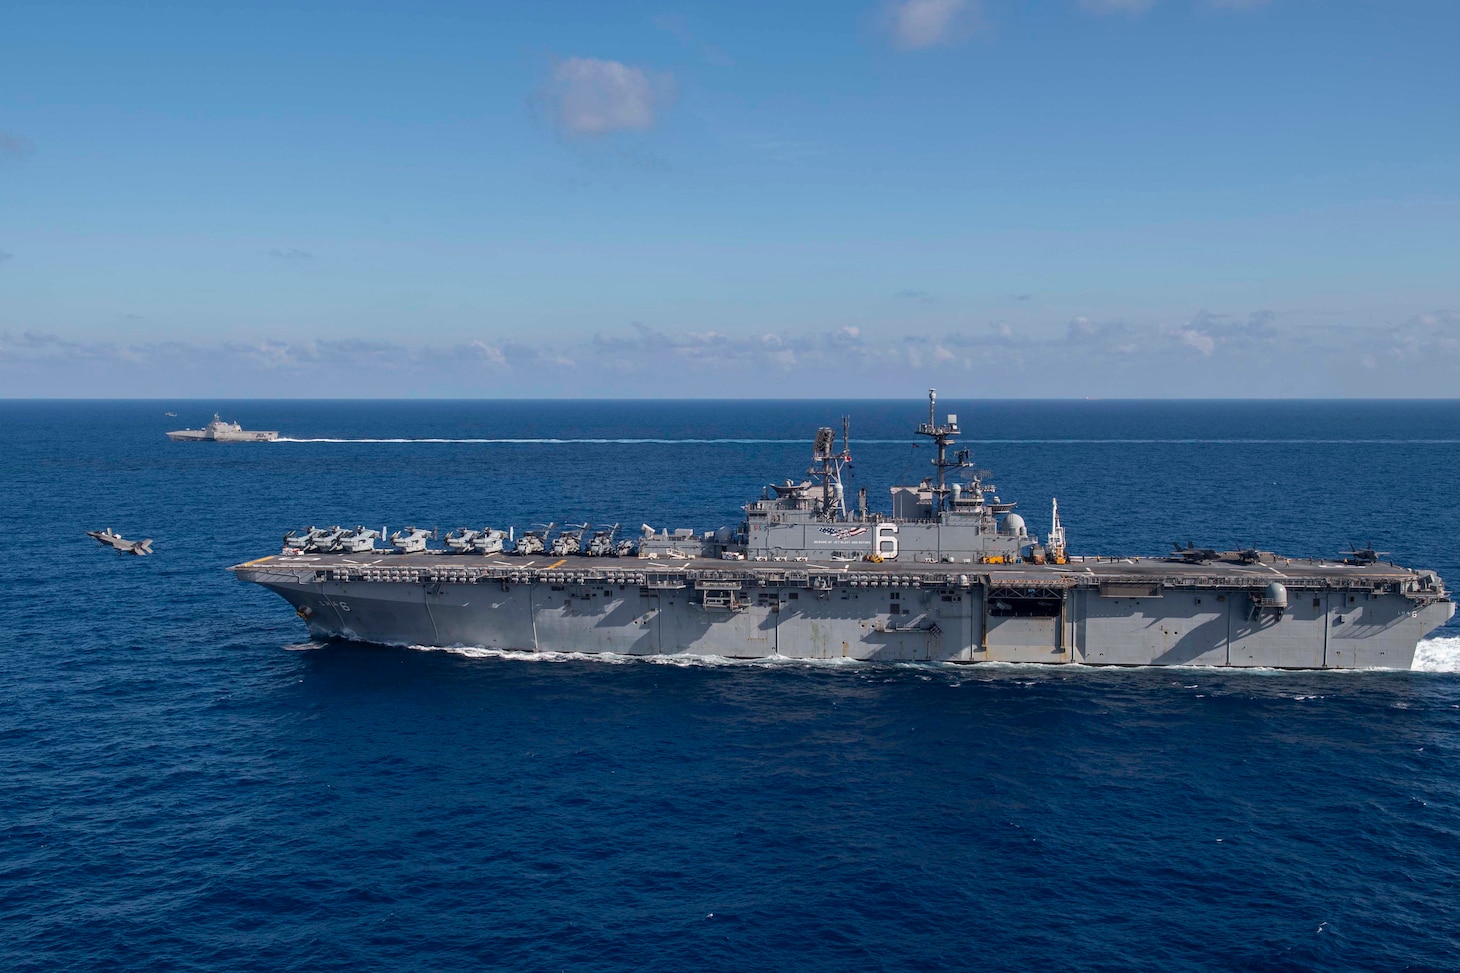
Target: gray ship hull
(219,431)
(204,436)
(1094,612)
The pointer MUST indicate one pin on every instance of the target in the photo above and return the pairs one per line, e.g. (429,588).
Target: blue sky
(1000,198)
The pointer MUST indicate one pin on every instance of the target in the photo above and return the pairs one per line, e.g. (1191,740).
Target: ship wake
(576,442)
(1432,655)
(1438,655)
(612,658)
(554,441)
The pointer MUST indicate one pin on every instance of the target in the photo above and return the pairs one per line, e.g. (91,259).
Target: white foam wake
(1438,655)
(571,442)
(613,658)
(554,441)
(1432,655)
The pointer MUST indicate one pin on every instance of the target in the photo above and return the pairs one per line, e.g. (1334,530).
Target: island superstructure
(952,574)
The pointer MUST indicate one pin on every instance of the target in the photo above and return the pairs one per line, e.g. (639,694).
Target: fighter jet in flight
(123,546)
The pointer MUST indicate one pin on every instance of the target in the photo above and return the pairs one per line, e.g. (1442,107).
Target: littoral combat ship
(221,431)
(952,574)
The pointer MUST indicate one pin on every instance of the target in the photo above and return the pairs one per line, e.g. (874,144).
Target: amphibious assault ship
(951,574)
(221,431)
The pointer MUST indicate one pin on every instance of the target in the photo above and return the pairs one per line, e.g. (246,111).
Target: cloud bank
(1206,354)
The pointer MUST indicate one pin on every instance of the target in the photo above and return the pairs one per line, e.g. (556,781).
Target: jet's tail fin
(143,547)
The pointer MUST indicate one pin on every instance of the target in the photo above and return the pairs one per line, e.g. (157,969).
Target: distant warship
(219,431)
(952,574)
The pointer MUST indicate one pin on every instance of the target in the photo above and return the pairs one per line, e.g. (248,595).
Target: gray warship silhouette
(951,574)
(221,431)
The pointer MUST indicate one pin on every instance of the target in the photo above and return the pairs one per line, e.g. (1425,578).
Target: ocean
(189,783)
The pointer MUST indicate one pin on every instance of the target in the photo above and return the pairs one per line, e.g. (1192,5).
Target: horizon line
(723,399)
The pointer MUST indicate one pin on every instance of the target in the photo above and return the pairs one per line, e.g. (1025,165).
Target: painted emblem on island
(949,574)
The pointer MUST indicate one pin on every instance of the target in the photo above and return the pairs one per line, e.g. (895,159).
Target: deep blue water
(185,783)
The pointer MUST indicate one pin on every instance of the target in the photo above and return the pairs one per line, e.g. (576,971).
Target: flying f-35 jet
(107,538)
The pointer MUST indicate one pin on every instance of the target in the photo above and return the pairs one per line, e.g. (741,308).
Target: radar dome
(1014,524)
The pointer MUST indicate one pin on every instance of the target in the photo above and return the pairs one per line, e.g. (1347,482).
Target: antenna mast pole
(942,435)
(827,465)
(1056,533)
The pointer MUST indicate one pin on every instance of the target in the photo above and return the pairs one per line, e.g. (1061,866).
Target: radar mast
(943,435)
(826,465)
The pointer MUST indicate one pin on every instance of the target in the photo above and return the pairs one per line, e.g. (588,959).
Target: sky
(999,198)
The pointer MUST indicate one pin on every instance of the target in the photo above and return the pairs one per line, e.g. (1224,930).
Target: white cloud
(1206,354)
(1199,340)
(274,354)
(488,353)
(588,97)
(1207,331)
(1430,337)
(268,353)
(919,24)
